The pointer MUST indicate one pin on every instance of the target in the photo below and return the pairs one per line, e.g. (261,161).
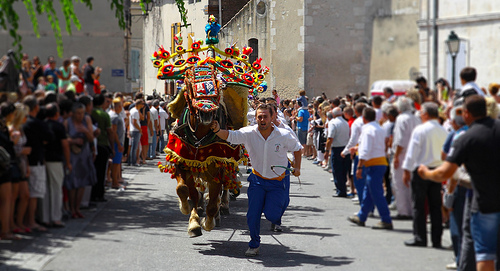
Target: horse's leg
(224,205)
(186,189)
(183,193)
(214,190)
(194,228)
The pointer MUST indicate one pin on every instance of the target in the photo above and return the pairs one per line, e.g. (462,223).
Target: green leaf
(9,19)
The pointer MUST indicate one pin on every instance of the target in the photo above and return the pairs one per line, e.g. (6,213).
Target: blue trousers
(359,184)
(373,194)
(340,168)
(456,219)
(265,196)
(152,146)
(135,141)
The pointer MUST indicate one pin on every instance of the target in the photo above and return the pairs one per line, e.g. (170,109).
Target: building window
(261,8)
(190,1)
(135,68)
(254,44)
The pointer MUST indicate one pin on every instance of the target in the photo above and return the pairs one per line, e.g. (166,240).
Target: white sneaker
(451,266)
(278,228)
(355,199)
(252,252)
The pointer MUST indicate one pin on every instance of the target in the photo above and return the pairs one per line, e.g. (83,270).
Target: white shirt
(134,115)
(287,127)
(404,125)
(355,132)
(266,152)
(123,115)
(338,129)
(154,116)
(378,113)
(163,117)
(425,146)
(472,85)
(371,141)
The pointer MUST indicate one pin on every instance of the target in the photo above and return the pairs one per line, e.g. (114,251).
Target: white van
(398,86)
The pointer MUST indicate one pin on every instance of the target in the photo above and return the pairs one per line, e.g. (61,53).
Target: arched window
(254,44)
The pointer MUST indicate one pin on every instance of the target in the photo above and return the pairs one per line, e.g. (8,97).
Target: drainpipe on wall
(436,43)
(220,13)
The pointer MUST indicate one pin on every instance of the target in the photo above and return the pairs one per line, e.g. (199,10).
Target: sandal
(18,230)
(79,214)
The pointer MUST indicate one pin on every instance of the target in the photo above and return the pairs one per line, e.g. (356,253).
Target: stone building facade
(164,22)
(395,44)
(475,22)
(99,36)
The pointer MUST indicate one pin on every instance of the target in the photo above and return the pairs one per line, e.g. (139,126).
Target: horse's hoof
(195,232)
(205,226)
(224,211)
(184,207)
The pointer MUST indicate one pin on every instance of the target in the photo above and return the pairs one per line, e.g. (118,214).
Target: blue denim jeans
(359,184)
(373,194)
(162,141)
(268,197)
(135,141)
(152,146)
(485,229)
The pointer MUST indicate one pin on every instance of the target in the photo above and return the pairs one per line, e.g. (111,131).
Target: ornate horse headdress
(202,88)
(232,63)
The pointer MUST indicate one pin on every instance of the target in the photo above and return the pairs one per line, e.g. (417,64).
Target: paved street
(143,229)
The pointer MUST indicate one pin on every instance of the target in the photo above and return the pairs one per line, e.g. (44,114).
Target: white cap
(75,78)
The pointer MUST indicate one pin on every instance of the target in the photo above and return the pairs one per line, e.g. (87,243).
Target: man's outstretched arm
(439,174)
(223,134)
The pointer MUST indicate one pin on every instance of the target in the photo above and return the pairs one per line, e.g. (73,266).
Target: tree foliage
(9,19)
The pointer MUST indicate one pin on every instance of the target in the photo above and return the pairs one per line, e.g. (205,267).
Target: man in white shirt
(426,143)
(403,127)
(372,160)
(267,146)
(377,104)
(135,132)
(356,126)
(163,115)
(338,137)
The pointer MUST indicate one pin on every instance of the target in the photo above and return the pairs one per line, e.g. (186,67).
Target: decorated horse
(214,89)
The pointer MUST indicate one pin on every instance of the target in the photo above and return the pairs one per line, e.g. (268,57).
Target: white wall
(477,23)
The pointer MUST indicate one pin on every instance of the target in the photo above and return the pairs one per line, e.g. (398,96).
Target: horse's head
(202,92)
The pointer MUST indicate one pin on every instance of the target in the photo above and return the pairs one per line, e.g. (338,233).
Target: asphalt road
(143,229)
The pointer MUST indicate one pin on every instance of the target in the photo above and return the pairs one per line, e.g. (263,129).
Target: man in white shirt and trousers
(267,146)
(372,160)
(403,127)
(426,143)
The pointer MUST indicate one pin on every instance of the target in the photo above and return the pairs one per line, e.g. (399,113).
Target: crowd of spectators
(373,147)
(63,141)
(65,137)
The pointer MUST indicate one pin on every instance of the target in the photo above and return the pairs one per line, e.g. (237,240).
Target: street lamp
(453,43)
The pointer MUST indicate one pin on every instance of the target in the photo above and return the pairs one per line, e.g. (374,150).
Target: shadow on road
(271,255)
